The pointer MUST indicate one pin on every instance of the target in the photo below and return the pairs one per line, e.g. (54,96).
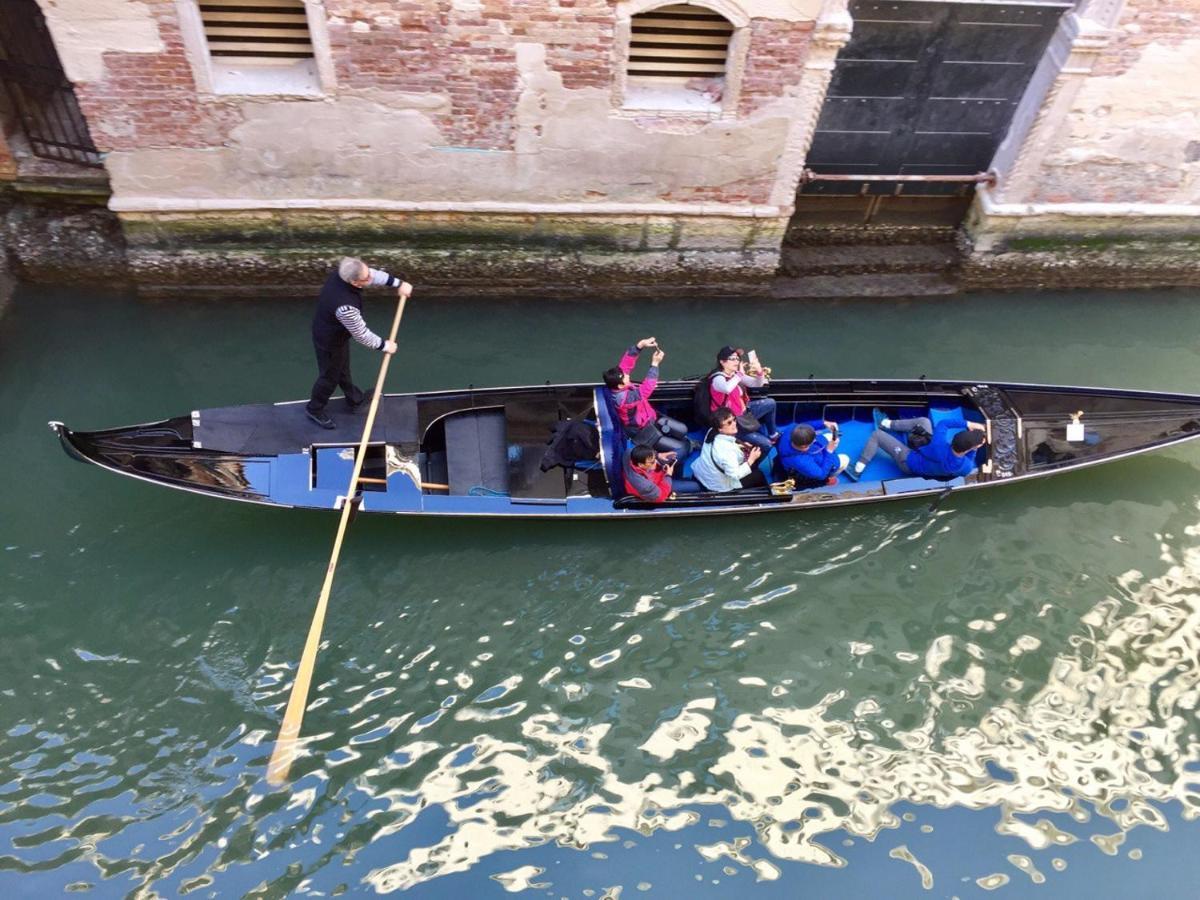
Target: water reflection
(1110,732)
(786,694)
(1104,727)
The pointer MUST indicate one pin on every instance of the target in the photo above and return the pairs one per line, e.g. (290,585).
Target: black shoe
(320,419)
(365,401)
(851,474)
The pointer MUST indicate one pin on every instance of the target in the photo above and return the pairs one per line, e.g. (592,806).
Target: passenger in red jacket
(648,475)
(641,423)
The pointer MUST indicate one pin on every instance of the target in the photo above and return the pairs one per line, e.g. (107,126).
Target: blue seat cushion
(953,416)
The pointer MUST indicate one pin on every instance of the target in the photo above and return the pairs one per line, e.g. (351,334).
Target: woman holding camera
(727,385)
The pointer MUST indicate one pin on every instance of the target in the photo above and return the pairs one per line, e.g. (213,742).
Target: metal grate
(42,97)
(262,32)
(678,42)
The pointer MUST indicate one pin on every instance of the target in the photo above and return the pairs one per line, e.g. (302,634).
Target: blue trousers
(764,411)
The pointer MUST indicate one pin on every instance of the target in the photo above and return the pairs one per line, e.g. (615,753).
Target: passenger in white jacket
(723,465)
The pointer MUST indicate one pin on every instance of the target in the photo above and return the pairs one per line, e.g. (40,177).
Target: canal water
(995,698)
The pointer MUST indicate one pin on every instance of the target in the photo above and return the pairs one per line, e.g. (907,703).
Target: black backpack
(702,401)
(573,441)
(919,437)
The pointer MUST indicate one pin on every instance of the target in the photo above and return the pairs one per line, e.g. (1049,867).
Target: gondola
(481,453)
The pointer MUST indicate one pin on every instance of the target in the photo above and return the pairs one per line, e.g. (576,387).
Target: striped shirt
(352,318)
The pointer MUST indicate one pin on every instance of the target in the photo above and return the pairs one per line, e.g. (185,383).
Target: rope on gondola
(480,491)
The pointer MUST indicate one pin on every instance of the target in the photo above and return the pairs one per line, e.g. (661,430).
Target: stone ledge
(460,272)
(1065,270)
(431,230)
(1082,245)
(125,204)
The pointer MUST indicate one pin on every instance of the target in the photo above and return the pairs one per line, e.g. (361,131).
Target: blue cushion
(954,416)
(767,461)
(613,437)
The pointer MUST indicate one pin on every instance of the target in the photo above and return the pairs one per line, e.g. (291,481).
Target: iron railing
(808,175)
(42,98)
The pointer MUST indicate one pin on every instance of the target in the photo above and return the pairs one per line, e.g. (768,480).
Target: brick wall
(747,190)
(775,61)
(469,54)
(149,100)
(445,70)
(1144,22)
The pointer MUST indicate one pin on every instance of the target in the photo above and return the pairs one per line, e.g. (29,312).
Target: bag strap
(713,390)
(711,447)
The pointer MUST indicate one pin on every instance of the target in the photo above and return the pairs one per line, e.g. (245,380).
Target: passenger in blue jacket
(810,457)
(950,452)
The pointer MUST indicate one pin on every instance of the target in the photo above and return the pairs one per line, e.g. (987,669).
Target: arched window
(677,58)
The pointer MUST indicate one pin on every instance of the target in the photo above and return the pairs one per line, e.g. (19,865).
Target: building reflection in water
(1111,733)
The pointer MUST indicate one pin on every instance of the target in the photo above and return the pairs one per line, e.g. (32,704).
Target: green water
(999,697)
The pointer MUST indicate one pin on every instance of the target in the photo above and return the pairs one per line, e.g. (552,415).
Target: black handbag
(747,422)
(919,437)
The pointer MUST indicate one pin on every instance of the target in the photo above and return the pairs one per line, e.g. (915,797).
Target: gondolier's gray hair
(351,268)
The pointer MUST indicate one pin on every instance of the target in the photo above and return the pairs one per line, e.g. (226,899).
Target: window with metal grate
(260,32)
(674,44)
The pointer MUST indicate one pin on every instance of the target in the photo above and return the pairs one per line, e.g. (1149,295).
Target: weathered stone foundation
(61,234)
(450,253)
(1109,248)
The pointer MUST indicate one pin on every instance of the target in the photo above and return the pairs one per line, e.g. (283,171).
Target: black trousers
(756,478)
(663,434)
(333,367)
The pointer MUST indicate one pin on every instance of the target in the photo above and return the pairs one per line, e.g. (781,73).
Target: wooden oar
(289,732)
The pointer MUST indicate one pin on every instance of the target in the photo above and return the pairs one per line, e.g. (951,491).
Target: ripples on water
(759,702)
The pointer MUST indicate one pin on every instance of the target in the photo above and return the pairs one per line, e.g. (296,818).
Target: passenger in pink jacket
(727,385)
(641,423)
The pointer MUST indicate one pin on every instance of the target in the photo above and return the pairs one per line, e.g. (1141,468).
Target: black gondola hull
(475,453)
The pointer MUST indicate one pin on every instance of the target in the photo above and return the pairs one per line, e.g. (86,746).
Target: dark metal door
(42,98)
(925,88)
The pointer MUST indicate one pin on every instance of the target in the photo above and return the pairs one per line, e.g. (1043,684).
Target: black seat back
(477,451)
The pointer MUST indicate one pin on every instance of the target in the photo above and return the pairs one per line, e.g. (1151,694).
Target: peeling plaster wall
(1133,136)
(783,10)
(473,142)
(1133,131)
(567,148)
(1104,189)
(481,100)
(84,30)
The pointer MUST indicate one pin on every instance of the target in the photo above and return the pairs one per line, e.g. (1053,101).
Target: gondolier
(338,318)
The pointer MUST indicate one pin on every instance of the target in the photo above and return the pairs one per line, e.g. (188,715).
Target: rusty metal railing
(808,175)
